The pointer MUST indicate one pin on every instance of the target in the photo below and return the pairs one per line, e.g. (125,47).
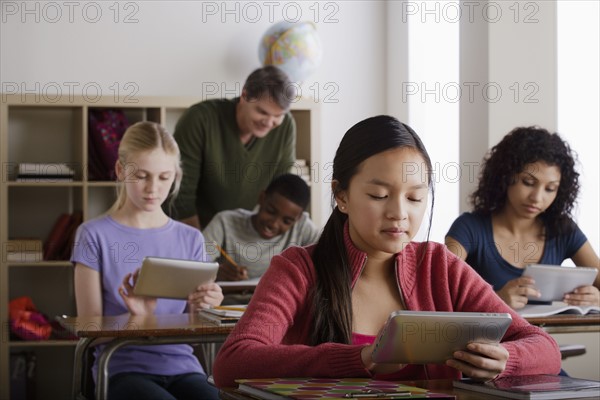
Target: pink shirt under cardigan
(271,339)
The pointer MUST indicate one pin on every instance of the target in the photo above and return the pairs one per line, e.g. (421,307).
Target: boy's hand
(231,272)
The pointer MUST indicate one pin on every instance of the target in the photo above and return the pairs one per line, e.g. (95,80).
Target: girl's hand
(583,296)
(480,361)
(516,292)
(367,359)
(137,305)
(205,296)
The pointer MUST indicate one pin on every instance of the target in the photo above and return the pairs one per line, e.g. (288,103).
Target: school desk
(577,335)
(434,385)
(568,323)
(125,330)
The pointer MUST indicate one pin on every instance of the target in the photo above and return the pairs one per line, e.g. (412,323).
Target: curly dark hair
(522,146)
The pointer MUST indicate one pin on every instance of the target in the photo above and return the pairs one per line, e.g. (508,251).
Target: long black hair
(520,147)
(332,305)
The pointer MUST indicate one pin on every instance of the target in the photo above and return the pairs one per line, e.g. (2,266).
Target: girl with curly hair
(522,215)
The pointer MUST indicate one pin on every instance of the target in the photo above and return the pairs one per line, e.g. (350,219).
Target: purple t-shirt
(114,250)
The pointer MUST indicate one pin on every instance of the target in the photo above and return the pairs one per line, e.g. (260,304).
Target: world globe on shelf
(293,47)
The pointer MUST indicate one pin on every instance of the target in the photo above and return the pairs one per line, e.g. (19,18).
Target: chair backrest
(570,350)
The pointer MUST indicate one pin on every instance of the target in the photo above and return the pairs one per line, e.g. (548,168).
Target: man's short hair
(292,187)
(272,81)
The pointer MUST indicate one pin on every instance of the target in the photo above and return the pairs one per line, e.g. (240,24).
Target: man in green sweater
(232,148)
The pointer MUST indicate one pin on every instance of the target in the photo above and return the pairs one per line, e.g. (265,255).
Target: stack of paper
(23,250)
(44,172)
(223,315)
(301,169)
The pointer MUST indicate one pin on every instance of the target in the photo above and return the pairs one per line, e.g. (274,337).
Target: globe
(293,47)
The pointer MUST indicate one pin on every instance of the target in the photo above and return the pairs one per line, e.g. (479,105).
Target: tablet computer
(431,337)
(173,278)
(553,281)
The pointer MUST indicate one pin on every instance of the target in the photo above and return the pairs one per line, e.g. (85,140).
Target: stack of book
(23,250)
(44,172)
(531,387)
(223,315)
(301,169)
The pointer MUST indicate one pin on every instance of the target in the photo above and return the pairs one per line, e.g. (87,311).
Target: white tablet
(553,281)
(431,337)
(173,278)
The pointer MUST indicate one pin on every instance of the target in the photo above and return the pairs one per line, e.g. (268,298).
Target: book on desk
(223,315)
(332,388)
(245,285)
(534,387)
(554,308)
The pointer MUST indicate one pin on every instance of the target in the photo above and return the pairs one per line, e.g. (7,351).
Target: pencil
(230,308)
(227,256)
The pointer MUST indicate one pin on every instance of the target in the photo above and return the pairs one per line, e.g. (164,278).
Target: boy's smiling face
(276,215)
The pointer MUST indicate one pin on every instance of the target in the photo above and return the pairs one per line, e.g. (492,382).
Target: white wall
(180,48)
(579,102)
(433,101)
(184,48)
(522,66)
(508,57)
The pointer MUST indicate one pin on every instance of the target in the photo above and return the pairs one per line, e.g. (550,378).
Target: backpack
(26,322)
(106,128)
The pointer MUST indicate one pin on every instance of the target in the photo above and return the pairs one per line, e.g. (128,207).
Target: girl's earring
(342,207)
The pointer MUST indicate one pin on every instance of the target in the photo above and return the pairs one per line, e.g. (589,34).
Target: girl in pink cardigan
(318,309)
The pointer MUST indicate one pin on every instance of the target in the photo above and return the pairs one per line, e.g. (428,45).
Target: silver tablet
(553,281)
(173,278)
(431,337)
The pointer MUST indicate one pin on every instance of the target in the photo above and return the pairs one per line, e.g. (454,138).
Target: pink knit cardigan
(271,339)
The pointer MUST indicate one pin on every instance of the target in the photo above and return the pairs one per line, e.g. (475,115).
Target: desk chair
(570,350)
(84,390)
(206,353)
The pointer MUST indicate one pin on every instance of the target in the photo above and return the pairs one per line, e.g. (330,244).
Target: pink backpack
(106,128)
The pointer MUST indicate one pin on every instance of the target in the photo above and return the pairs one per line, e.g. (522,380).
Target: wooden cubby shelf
(37,131)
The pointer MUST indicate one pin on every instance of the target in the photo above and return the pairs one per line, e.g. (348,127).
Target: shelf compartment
(172,115)
(100,160)
(135,114)
(99,199)
(51,289)
(34,209)
(53,370)
(32,131)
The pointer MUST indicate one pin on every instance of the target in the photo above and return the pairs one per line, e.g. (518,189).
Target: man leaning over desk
(232,148)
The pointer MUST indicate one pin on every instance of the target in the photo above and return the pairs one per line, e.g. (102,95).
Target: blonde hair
(141,137)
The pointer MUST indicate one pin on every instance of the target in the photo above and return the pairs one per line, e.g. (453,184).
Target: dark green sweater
(219,171)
